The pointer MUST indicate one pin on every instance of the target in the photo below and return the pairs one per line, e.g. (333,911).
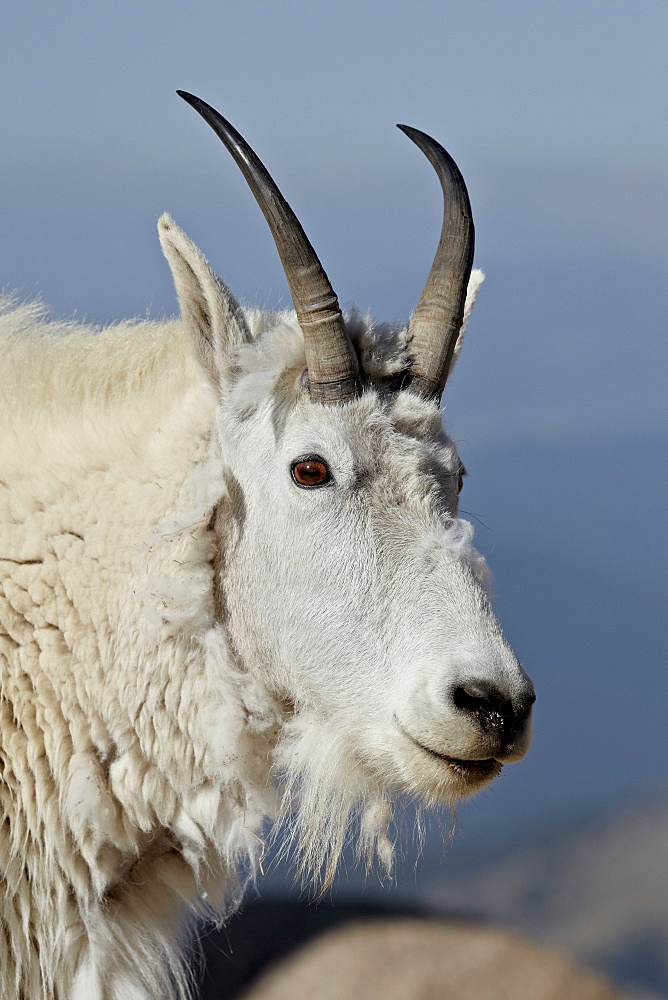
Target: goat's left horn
(436,322)
(333,372)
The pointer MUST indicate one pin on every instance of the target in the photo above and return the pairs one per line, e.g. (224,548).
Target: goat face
(346,578)
(352,585)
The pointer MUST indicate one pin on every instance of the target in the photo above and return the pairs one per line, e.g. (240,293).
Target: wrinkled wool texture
(135,755)
(133,776)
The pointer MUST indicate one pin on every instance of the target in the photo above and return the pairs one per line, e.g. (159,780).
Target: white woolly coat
(128,779)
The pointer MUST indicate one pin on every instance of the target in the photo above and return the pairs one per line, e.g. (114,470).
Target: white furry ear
(475,281)
(208,308)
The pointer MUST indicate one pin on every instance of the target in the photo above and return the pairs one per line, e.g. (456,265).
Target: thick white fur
(147,702)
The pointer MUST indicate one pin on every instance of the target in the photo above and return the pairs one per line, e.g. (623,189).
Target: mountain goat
(231,564)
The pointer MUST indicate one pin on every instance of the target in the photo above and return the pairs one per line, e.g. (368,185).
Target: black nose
(490,708)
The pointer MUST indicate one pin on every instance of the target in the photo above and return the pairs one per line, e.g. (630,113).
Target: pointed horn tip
(198,104)
(426,143)
(406,129)
(195,102)
(413,132)
(429,146)
(225,131)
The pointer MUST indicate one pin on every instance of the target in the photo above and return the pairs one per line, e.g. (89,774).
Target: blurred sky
(555,112)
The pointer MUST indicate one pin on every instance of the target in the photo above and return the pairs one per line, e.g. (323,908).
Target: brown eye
(311,472)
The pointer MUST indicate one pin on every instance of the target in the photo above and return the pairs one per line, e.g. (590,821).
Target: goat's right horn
(333,372)
(436,322)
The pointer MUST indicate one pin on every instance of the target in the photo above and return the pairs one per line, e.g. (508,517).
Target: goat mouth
(487,768)
(484,769)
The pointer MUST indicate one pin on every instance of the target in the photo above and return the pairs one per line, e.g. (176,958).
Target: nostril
(475,695)
(485,703)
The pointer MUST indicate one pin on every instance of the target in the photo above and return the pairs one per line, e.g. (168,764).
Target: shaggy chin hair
(330,801)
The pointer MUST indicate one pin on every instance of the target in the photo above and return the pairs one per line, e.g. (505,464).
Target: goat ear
(475,281)
(208,308)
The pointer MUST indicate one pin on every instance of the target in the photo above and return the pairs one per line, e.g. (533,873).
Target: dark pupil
(310,473)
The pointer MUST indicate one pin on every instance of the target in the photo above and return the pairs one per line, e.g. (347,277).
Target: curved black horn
(436,322)
(330,357)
